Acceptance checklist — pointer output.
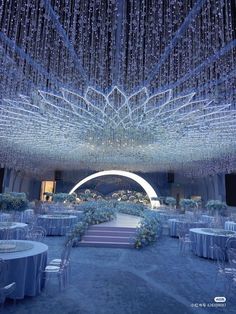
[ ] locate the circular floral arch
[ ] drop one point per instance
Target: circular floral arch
(144, 184)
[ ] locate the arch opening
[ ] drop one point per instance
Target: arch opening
(144, 184)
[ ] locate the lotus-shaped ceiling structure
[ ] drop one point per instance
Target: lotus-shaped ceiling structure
(135, 132)
(113, 84)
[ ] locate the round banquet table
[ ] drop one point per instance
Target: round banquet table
(207, 218)
(23, 266)
(230, 225)
(5, 217)
(9, 230)
(175, 224)
(204, 239)
(164, 217)
(78, 213)
(57, 224)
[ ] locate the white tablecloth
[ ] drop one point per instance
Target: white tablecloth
(24, 267)
(230, 225)
(203, 240)
(57, 225)
(5, 217)
(175, 224)
(78, 213)
(207, 218)
(164, 217)
(10, 231)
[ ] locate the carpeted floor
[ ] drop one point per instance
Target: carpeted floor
(154, 280)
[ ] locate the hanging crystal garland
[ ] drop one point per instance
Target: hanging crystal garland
(65, 47)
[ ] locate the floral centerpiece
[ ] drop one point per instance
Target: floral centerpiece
(216, 207)
(13, 201)
(64, 197)
(188, 204)
(170, 201)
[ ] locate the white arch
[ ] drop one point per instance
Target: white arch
(144, 184)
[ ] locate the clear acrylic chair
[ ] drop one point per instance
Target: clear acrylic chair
(36, 233)
(19, 233)
(231, 253)
(33, 221)
(184, 239)
(6, 289)
(225, 271)
(231, 243)
(65, 259)
(59, 268)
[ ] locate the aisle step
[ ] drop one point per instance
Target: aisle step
(107, 236)
(110, 233)
(119, 239)
(106, 244)
(96, 227)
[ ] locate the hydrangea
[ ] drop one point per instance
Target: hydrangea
(170, 201)
(186, 204)
(13, 201)
(64, 197)
(216, 206)
(147, 232)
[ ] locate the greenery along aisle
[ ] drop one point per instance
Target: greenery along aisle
(149, 227)
(148, 230)
(129, 208)
(96, 212)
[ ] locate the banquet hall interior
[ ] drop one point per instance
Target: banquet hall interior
(117, 156)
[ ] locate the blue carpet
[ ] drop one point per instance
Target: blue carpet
(127, 281)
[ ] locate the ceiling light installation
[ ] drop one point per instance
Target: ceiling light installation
(137, 131)
(135, 85)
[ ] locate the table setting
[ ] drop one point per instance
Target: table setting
(23, 262)
(176, 224)
(230, 225)
(204, 239)
(57, 224)
(12, 230)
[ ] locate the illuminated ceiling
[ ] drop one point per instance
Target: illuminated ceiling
(133, 85)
